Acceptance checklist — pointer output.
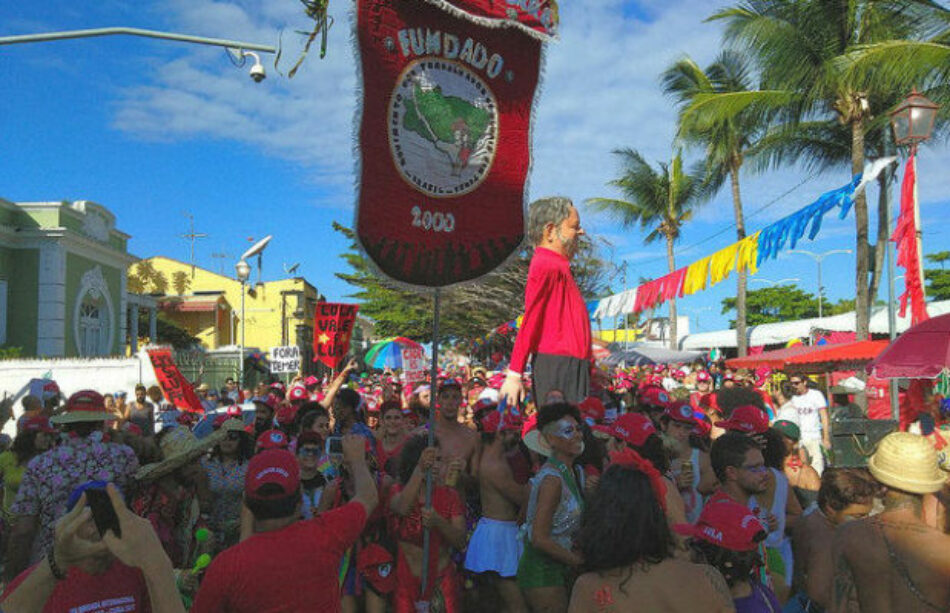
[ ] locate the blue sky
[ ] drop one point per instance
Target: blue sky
(156, 130)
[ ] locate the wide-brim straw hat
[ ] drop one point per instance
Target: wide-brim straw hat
(907, 462)
(179, 447)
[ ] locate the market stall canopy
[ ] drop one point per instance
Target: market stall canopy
(644, 354)
(829, 358)
(923, 352)
(782, 332)
(773, 359)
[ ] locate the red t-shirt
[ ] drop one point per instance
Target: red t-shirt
(121, 589)
(293, 569)
(556, 321)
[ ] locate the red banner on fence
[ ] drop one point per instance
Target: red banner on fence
(178, 390)
(332, 329)
(445, 134)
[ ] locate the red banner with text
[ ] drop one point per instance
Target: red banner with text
(178, 390)
(332, 329)
(448, 92)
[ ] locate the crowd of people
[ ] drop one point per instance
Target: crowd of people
(685, 487)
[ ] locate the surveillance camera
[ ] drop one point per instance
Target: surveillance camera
(257, 72)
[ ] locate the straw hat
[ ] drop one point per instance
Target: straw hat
(907, 462)
(179, 447)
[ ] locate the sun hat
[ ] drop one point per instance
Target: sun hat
(907, 462)
(788, 428)
(179, 447)
(84, 406)
(532, 437)
(633, 428)
(203, 387)
(747, 419)
(726, 524)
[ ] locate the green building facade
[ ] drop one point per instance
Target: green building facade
(62, 279)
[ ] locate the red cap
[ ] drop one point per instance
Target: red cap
(703, 376)
(86, 401)
(310, 381)
(234, 411)
(728, 377)
(682, 412)
(272, 439)
(592, 408)
(286, 414)
(278, 385)
(277, 466)
(747, 419)
(634, 428)
(298, 393)
(679, 374)
(654, 396)
(493, 421)
(376, 565)
(726, 524)
(37, 424)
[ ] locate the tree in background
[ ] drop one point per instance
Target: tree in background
(785, 303)
(724, 139)
(938, 280)
(143, 278)
(467, 311)
(660, 200)
(181, 282)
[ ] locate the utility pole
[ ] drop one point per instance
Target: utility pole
(192, 236)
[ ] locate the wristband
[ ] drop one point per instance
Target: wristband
(511, 373)
(54, 568)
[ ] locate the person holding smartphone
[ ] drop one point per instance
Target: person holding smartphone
(101, 552)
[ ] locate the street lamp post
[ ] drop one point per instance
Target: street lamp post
(775, 283)
(912, 122)
(818, 257)
(243, 270)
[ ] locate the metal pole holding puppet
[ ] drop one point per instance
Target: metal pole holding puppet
(423, 605)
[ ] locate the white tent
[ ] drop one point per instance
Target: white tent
(782, 332)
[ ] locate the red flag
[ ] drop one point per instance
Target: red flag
(448, 91)
(332, 329)
(177, 389)
(908, 247)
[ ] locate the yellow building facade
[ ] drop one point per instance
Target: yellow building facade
(277, 313)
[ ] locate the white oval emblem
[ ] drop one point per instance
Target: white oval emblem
(443, 127)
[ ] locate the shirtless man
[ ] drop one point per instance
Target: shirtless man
(459, 444)
(494, 549)
(894, 561)
(845, 495)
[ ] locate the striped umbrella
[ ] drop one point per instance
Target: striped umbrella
(388, 352)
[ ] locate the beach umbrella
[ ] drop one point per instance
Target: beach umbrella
(388, 352)
(923, 352)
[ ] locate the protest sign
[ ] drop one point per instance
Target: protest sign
(448, 90)
(413, 364)
(177, 389)
(332, 329)
(284, 359)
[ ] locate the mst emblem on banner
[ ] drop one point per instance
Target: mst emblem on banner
(448, 90)
(444, 124)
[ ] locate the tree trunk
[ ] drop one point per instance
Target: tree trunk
(883, 234)
(862, 251)
(742, 339)
(672, 262)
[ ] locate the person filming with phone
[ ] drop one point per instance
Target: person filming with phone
(101, 553)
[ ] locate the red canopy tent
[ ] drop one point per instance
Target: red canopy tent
(827, 358)
(773, 359)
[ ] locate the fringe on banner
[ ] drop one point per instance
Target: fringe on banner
(490, 22)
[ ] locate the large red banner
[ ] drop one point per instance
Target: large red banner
(448, 90)
(177, 389)
(332, 329)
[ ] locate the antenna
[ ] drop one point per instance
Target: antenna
(290, 270)
(221, 257)
(192, 236)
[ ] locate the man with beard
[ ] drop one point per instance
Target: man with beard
(556, 325)
(740, 467)
(494, 549)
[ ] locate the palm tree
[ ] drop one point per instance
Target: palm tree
(725, 140)
(660, 200)
(798, 47)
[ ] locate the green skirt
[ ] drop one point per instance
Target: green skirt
(537, 569)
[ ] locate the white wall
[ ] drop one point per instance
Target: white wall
(105, 375)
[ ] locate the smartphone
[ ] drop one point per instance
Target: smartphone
(103, 514)
(334, 447)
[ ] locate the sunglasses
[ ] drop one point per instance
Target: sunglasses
(313, 452)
